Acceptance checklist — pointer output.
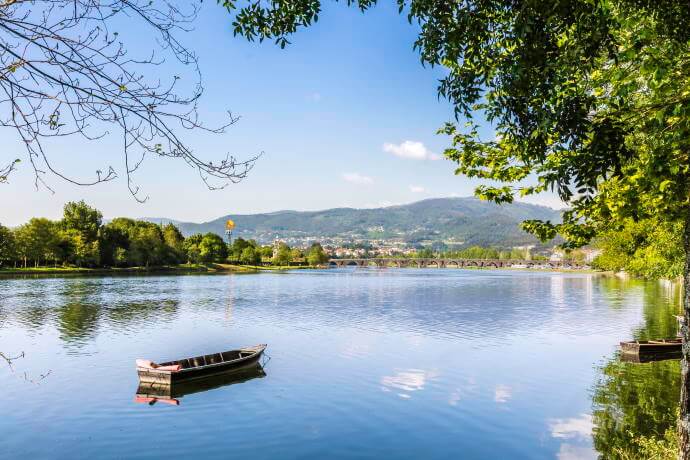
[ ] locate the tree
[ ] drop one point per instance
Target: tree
(174, 240)
(588, 99)
(295, 254)
(113, 244)
(645, 248)
(266, 252)
(316, 255)
(146, 245)
(283, 255)
(7, 246)
(212, 248)
(191, 248)
(136, 243)
(38, 241)
(425, 253)
(250, 256)
(81, 251)
(238, 246)
(83, 219)
(80, 224)
(65, 71)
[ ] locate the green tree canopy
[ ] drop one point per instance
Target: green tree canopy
(38, 241)
(650, 248)
(82, 218)
(250, 256)
(316, 255)
(212, 248)
(283, 255)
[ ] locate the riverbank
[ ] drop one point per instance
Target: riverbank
(167, 269)
(226, 268)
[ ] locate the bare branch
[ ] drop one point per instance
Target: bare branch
(64, 71)
(11, 359)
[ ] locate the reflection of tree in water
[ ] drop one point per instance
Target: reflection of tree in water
(662, 303)
(632, 400)
(78, 322)
(34, 316)
(3, 317)
(130, 314)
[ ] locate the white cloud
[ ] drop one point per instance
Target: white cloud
(357, 178)
(410, 149)
(568, 428)
(417, 189)
(502, 393)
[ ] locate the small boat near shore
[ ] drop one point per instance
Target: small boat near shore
(197, 367)
(652, 346)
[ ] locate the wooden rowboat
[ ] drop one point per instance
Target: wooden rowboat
(652, 346)
(154, 392)
(198, 367)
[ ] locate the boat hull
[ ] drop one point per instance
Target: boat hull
(652, 346)
(200, 367)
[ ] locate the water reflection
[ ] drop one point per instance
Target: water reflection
(151, 393)
(569, 428)
(503, 393)
(633, 399)
(78, 322)
(407, 381)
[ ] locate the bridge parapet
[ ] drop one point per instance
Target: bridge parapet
(452, 263)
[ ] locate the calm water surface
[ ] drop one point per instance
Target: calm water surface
(363, 364)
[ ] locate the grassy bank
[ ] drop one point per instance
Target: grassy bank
(184, 268)
(171, 269)
(231, 267)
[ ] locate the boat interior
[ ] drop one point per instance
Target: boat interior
(214, 358)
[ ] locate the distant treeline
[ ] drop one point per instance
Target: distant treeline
(81, 239)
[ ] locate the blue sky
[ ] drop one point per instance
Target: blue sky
(346, 116)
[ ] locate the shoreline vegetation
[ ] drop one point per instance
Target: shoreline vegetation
(184, 269)
(82, 242)
(166, 269)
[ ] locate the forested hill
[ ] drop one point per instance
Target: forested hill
(467, 220)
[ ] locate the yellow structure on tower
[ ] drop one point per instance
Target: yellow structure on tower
(229, 227)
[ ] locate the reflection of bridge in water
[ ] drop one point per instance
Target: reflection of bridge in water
(455, 263)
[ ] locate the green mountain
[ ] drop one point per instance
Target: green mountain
(466, 221)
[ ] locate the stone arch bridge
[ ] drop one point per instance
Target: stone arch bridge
(453, 263)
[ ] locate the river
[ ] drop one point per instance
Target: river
(361, 363)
